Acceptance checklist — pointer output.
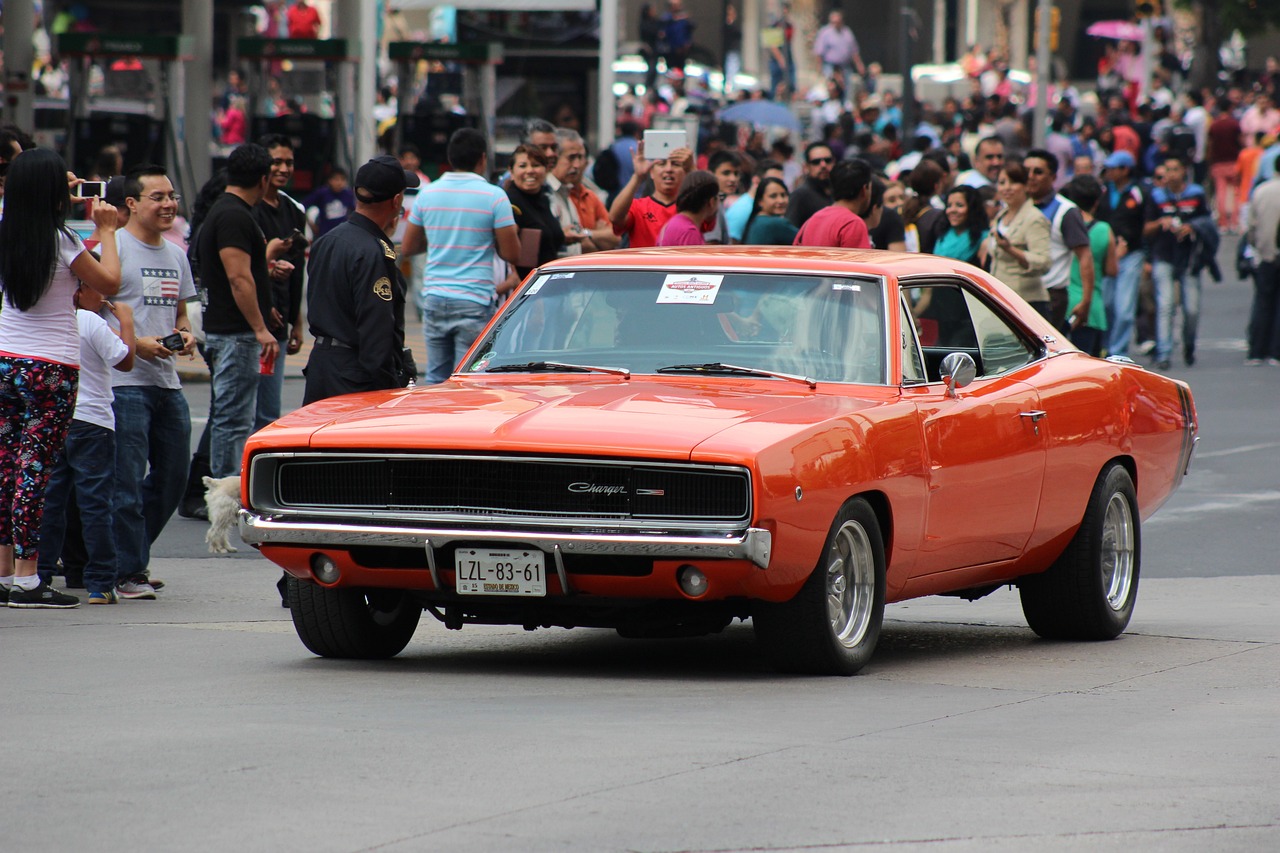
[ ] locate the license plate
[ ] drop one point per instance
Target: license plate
(482, 571)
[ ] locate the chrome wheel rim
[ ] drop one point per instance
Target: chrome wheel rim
(1118, 551)
(851, 584)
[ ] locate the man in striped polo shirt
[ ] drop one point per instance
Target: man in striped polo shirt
(461, 221)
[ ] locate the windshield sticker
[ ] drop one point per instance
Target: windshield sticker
(537, 285)
(856, 288)
(689, 289)
(562, 275)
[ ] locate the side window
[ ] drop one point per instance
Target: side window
(1002, 348)
(912, 362)
(950, 318)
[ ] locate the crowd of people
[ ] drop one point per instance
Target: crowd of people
(1106, 229)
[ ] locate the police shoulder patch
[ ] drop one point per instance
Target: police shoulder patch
(382, 289)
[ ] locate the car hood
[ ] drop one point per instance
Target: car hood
(658, 418)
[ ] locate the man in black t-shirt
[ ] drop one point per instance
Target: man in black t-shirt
(233, 255)
(814, 192)
(279, 215)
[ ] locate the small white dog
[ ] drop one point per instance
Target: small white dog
(222, 498)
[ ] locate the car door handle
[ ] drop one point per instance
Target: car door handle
(1036, 415)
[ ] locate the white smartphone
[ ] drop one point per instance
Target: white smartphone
(90, 189)
(658, 144)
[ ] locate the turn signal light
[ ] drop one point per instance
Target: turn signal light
(692, 581)
(324, 568)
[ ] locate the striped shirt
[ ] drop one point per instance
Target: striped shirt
(459, 214)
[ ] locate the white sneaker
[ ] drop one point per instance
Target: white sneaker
(134, 589)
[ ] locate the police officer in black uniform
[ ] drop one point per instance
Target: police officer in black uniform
(356, 294)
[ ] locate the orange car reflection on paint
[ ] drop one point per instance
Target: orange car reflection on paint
(661, 441)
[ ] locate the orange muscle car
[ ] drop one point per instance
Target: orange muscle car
(662, 440)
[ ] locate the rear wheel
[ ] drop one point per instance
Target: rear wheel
(832, 624)
(352, 623)
(1089, 592)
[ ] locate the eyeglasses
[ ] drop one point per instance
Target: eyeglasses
(161, 198)
(280, 161)
(818, 161)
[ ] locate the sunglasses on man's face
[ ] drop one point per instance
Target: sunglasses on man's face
(818, 161)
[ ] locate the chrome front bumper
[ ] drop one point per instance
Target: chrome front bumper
(754, 544)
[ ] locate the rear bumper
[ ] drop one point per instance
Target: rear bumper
(753, 544)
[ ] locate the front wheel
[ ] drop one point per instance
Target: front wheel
(832, 624)
(1089, 592)
(352, 623)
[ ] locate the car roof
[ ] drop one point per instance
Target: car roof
(762, 258)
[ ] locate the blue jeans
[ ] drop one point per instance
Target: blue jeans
(270, 392)
(1122, 303)
(1167, 301)
(87, 465)
(234, 359)
(153, 431)
(451, 327)
(1264, 316)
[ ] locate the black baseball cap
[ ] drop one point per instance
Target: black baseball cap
(115, 192)
(381, 178)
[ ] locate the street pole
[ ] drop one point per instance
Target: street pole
(908, 15)
(19, 56)
(1044, 71)
(605, 104)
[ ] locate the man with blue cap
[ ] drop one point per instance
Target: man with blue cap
(1122, 208)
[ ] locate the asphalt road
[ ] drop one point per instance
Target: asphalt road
(199, 721)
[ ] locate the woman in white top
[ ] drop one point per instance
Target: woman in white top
(41, 265)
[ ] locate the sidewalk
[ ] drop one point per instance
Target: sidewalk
(195, 370)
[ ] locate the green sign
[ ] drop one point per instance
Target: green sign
(473, 52)
(260, 48)
(108, 44)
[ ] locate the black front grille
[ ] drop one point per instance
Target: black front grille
(520, 487)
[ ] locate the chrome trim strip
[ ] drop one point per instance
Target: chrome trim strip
(431, 563)
(754, 544)
(560, 572)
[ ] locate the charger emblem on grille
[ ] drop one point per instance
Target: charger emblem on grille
(593, 489)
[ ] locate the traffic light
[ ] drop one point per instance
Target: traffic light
(1055, 18)
(1148, 9)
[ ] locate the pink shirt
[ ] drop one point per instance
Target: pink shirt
(680, 231)
(834, 226)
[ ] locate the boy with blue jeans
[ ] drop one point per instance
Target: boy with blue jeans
(88, 461)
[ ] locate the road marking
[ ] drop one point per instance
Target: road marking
(272, 627)
(1221, 503)
(1248, 448)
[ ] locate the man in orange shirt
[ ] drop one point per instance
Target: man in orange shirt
(581, 212)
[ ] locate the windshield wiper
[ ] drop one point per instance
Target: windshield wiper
(719, 367)
(557, 367)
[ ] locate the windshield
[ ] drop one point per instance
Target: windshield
(826, 328)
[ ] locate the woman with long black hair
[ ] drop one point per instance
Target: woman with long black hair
(768, 224)
(41, 265)
(967, 225)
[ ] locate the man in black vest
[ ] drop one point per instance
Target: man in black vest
(356, 294)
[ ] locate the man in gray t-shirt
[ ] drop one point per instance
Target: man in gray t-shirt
(153, 422)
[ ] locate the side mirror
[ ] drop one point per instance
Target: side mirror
(958, 370)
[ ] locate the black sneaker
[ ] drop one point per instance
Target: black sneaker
(194, 508)
(42, 597)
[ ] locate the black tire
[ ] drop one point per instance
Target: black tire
(1089, 592)
(824, 630)
(352, 623)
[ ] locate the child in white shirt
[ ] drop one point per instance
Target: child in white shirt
(88, 461)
